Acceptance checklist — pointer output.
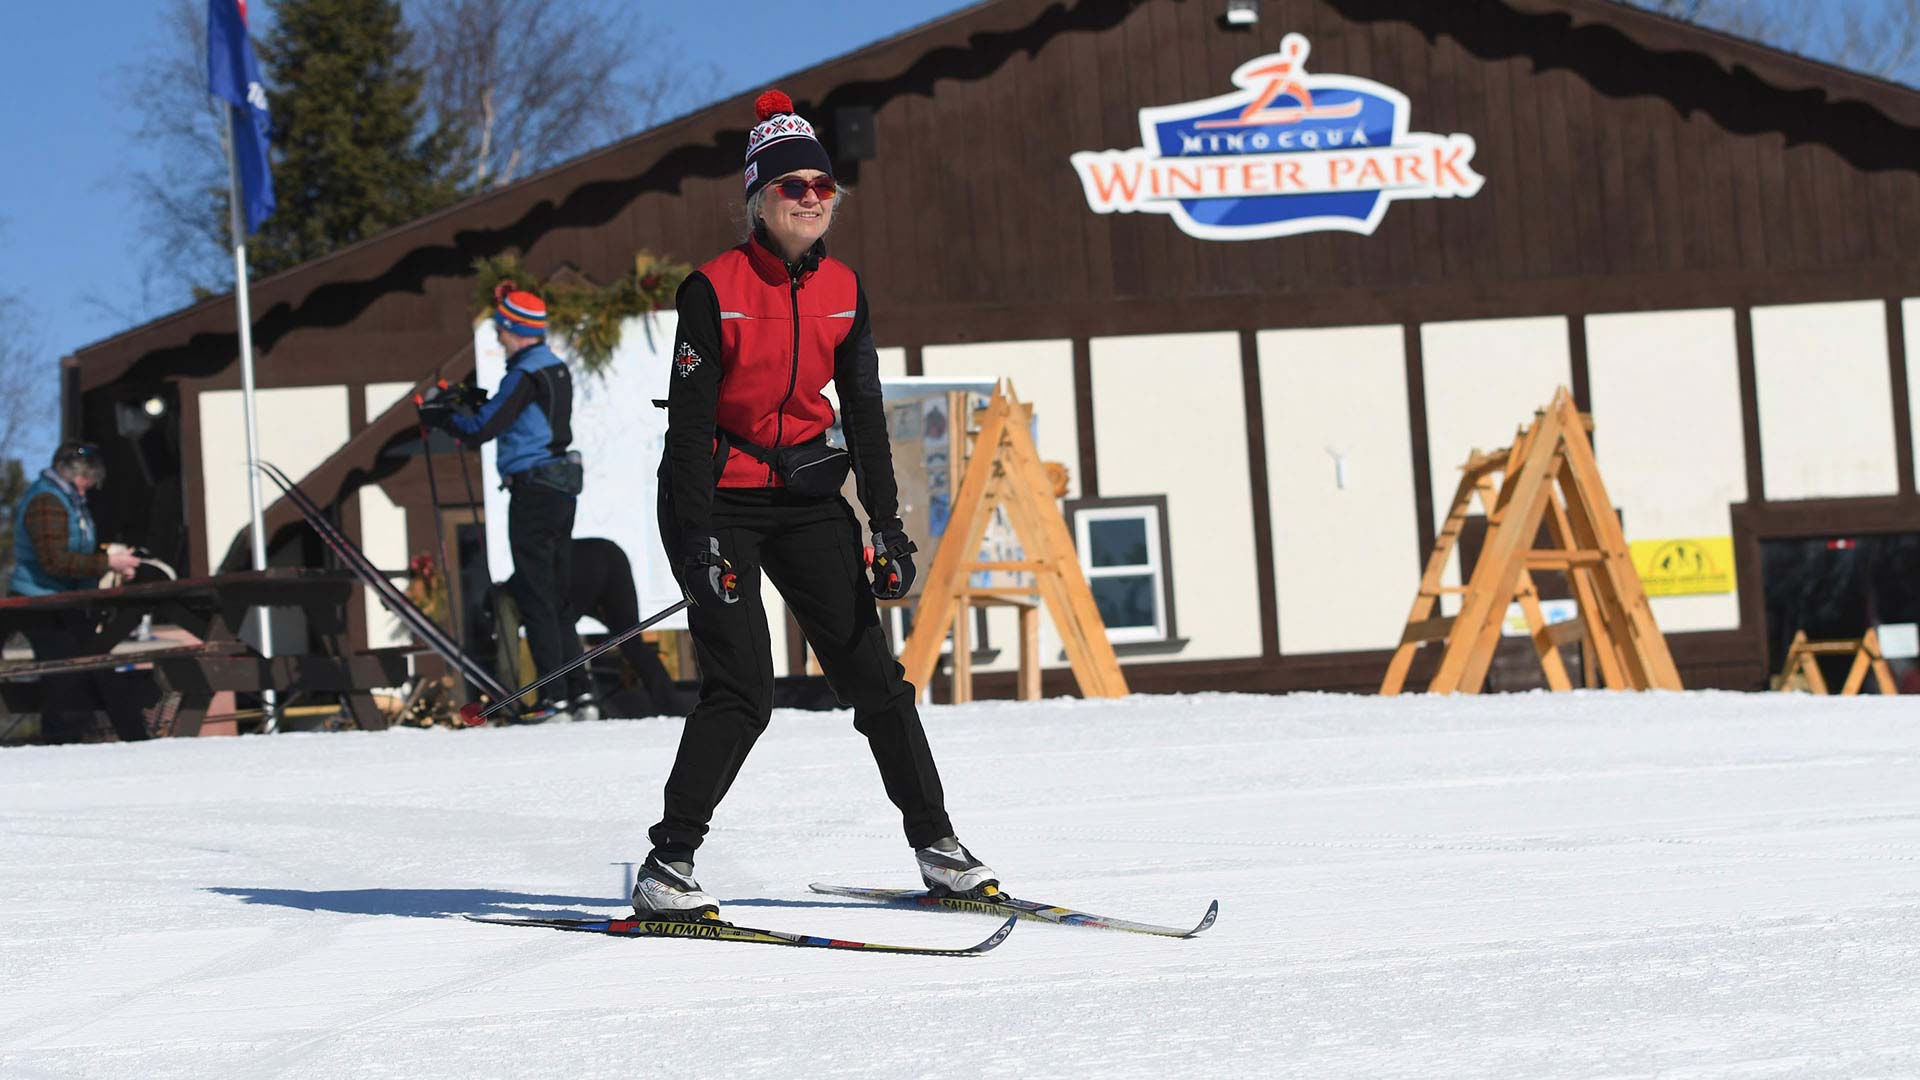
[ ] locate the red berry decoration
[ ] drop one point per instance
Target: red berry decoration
(771, 104)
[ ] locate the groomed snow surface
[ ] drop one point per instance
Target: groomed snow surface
(1693, 885)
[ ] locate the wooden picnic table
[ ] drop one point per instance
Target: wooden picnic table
(213, 610)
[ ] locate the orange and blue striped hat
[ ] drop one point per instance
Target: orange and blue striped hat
(520, 312)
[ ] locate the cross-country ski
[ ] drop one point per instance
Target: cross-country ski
(714, 930)
(1002, 904)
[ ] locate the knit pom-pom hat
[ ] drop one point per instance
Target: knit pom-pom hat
(519, 312)
(780, 143)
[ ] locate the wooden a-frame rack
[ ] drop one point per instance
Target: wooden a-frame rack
(1803, 662)
(1003, 472)
(1551, 477)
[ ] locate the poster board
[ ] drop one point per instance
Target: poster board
(1005, 480)
(923, 439)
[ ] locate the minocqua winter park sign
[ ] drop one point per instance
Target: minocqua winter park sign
(1288, 153)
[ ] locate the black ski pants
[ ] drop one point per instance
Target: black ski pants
(810, 549)
(66, 713)
(540, 533)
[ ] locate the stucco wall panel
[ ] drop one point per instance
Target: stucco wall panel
(1340, 485)
(1667, 432)
(1169, 419)
(1826, 400)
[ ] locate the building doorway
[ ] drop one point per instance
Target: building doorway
(1835, 587)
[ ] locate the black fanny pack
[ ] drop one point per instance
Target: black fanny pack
(566, 475)
(815, 467)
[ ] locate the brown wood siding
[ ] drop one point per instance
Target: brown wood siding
(971, 202)
(1257, 494)
(1899, 371)
(1631, 164)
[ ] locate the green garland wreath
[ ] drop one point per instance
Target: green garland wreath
(586, 316)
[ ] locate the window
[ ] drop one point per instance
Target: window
(1123, 550)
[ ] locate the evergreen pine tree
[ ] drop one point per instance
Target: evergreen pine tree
(350, 156)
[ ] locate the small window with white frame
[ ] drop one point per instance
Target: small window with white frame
(1123, 551)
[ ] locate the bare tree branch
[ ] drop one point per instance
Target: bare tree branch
(1883, 41)
(529, 83)
(130, 305)
(29, 385)
(1874, 37)
(524, 84)
(183, 196)
(1755, 20)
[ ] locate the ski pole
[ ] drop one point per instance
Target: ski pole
(473, 715)
(466, 476)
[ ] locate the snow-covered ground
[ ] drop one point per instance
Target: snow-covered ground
(1589, 885)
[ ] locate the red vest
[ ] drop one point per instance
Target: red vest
(777, 339)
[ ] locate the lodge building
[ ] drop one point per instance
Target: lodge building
(1270, 357)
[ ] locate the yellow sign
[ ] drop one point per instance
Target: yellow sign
(1685, 567)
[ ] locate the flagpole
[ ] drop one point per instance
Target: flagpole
(271, 721)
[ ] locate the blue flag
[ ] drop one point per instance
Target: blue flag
(234, 77)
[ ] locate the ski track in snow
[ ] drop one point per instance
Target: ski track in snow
(1672, 885)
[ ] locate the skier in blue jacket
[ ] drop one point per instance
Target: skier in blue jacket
(530, 416)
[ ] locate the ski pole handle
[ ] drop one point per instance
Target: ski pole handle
(473, 715)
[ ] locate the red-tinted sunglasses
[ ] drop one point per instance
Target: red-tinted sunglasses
(796, 189)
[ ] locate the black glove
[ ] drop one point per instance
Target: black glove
(436, 413)
(458, 399)
(892, 562)
(706, 575)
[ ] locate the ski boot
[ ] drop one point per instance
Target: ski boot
(949, 869)
(583, 708)
(668, 892)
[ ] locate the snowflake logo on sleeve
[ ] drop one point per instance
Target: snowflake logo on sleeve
(685, 359)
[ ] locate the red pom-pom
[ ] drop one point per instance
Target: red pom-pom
(771, 104)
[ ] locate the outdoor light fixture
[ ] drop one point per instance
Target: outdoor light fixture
(153, 406)
(1242, 12)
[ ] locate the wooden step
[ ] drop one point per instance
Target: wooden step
(1427, 630)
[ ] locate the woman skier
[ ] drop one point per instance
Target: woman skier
(749, 484)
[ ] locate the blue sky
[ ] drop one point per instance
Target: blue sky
(70, 232)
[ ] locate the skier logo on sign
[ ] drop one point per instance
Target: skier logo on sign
(1290, 152)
